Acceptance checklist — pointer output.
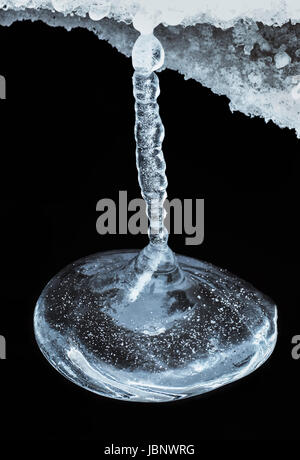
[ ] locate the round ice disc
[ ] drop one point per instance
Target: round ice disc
(173, 341)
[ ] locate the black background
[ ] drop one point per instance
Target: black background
(67, 142)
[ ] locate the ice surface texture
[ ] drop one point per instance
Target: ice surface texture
(172, 12)
(196, 334)
(246, 50)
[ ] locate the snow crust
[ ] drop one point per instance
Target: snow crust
(172, 12)
(246, 50)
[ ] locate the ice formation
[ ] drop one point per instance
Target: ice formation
(148, 56)
(150, 326)
(248, 50)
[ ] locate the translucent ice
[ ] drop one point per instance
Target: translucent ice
(148, 56)
(202, 333)
(151, 326)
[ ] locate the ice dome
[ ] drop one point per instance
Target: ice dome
(248, 50)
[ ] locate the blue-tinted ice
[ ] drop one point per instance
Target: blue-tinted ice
(150, 326)
(174, 341)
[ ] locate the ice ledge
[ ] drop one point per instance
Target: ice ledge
(257, 66)
(219, 13)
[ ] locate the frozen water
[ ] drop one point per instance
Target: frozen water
(246, 50)
(148, 56)
(203, 331)
(171, 12)
(149, 326)
(282, 59)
